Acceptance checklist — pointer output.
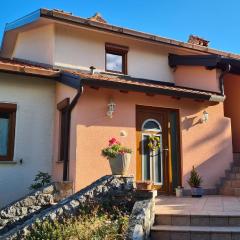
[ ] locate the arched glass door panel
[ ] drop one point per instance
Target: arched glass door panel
(152, 161)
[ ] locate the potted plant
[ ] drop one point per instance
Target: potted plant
(119, 157)
(144, 185)
(179, 191)
(195, 182)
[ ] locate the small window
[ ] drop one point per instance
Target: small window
(151, 125)
(7, 130)
(63, 108)
(116, 58)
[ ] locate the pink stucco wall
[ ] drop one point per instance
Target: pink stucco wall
(208, 146)
(197, 77)
(232, 86)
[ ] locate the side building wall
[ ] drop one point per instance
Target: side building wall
(34, 132)
(231, 107)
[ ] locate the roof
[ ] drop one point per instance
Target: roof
(13, 66)
(75, 79)
(209, 61)
(61, 16)
(127, 83)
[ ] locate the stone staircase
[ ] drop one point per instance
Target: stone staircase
(196, 227)
(230, 184)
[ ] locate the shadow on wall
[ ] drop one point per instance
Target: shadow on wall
(221, 128)
(189, 122)
(219, 154)
(211, 170)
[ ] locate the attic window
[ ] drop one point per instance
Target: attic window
(116, 58)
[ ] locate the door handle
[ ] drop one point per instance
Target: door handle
(165, 149)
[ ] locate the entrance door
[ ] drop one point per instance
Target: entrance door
(156, 165)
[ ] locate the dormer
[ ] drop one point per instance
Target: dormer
(62, 40)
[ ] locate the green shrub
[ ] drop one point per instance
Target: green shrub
(41, 180)
(95, 222)
(195, 180)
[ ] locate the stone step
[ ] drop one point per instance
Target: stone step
(197, 220)
(168, 232)
(235, 183)
(236, 164)
(229, 191)
(226, 191)
(231, 175)
(235, 169)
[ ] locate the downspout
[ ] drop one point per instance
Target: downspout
(67, 133)
(221, 78)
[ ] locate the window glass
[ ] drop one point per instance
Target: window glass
(4, 133)
(114, 62)
(145, 159)
(151, 125)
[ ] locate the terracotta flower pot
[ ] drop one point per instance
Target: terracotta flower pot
(120, 164)
(145, 185)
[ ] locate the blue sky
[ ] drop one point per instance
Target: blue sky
(215, 20)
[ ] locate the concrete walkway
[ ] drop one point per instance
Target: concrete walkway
(207, 205)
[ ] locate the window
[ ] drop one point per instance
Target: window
(116, 58)
(7, 130)
(151, 125)
(63, 108)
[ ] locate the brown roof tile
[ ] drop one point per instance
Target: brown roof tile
(143, 85)
(8, 65)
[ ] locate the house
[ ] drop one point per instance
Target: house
(186, 93)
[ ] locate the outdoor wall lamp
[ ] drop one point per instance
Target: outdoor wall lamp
(205, 117)
(111, 108)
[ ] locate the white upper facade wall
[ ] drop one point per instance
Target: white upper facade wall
(36, 44)
(82, 48)
(72, 47)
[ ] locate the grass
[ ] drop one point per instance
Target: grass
(93, 221)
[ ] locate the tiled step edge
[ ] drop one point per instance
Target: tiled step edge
(195, 229)
(197, 220)
(193, 233)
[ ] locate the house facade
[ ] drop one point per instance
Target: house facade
(184, 93)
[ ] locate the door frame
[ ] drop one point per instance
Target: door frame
(140, 108)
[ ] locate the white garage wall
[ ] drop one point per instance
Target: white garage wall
(35, 99)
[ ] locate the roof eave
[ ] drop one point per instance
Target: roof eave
(208, 61)
(30, 18)
(151, 90)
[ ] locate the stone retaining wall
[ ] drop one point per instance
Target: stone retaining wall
(25, 207)
(142, 218)
(19, 211)
(106, 187)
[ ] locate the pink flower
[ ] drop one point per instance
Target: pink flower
(113, 141)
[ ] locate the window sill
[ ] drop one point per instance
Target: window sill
(115, 73)
(8, 162)
(59, 162)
